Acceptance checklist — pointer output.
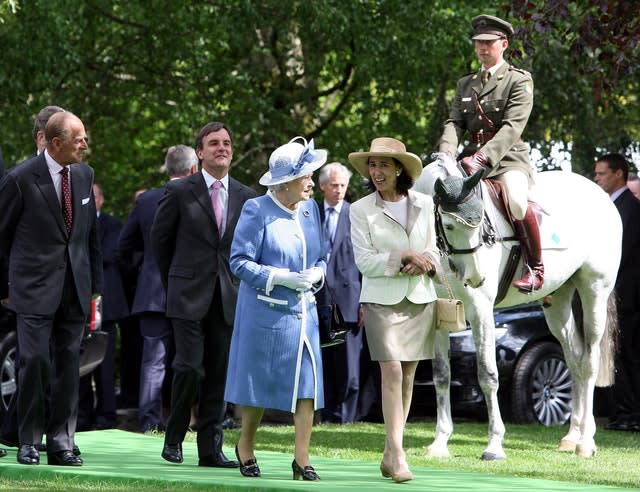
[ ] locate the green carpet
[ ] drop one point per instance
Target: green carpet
(125, 456)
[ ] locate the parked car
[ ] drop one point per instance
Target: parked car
(535, 384)
(94, 344)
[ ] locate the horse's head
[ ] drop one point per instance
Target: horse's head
(460, 214)
(442, 166)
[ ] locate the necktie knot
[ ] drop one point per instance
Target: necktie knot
(486, 75)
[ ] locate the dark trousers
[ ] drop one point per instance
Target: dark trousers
(199, 371)
(341, 367)
(99, 410)
(129, 362)
(157, 348)
(50, 355)
(626, 390)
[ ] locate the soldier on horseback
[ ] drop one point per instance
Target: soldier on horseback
(493, 105)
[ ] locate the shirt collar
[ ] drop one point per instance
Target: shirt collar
(209, 180)
(614, 196)
(54, 167)
(337, 207)
(495, 68)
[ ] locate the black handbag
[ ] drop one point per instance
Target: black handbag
(333, 329)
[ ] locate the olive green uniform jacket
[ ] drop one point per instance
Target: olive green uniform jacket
(506, 99)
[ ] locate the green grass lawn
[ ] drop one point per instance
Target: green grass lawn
(531, 452)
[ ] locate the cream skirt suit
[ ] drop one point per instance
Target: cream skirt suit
(399, 308)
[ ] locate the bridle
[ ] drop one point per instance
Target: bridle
(487, 235)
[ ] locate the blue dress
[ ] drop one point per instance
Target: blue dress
(275, 356)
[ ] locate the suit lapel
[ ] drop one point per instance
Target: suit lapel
(45, 185)
(341, 226)
(234, 204)
(78, 189)
(412, 213)
(199, 189)
(494, 80)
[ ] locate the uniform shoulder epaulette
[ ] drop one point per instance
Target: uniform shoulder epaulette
(523, 72)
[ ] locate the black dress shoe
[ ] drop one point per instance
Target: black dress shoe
(249, 468)
(64, 458)
(306, 473)
(28, 455)
(172, 453)
(218, 460)
(619, 425)
(3, 453)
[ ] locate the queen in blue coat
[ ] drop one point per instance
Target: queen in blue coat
(275, 359)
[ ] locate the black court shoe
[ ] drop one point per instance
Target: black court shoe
(249, 468)
(306, 473)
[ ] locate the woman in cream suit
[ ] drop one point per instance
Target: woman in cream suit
(394, 243)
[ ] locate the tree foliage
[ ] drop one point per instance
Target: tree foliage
(147, 75)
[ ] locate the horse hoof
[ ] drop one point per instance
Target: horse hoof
(567, 446)
(487, 456)
(586, 451)
(437, 453)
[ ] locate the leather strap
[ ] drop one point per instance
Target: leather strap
(483, 115)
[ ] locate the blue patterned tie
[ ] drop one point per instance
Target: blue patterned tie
(329, 230)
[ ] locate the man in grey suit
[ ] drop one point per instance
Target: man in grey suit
(341, 363)
(48, 227)
(191, 239)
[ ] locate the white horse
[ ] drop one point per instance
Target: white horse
(581, 240)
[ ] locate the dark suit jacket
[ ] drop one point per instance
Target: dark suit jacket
(33, 233)
(114, 301)
(628, 281)
(4, 264)
(343, 276)
(190, 256)
(135, 238)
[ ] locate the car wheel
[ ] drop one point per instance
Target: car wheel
(541, 386)
(7, 369)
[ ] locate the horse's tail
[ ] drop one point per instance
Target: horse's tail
(609, 345)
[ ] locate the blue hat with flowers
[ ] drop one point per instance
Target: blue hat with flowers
(292, 161)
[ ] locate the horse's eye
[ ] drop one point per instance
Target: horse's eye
(449, 227)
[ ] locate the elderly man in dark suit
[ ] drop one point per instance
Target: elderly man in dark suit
(48, 226)
(191, 238)
(150, 301)
(611, 173)
(341, 363)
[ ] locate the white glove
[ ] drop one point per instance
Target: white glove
(291, 280)
(313, 275)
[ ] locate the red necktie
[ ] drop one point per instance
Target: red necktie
(67, 208)
(217, 206)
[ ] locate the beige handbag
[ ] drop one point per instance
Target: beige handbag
(450, 311)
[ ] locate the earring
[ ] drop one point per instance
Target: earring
(398, 173)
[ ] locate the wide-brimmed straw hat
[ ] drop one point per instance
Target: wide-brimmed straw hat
(387, 147)
(292, 161)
